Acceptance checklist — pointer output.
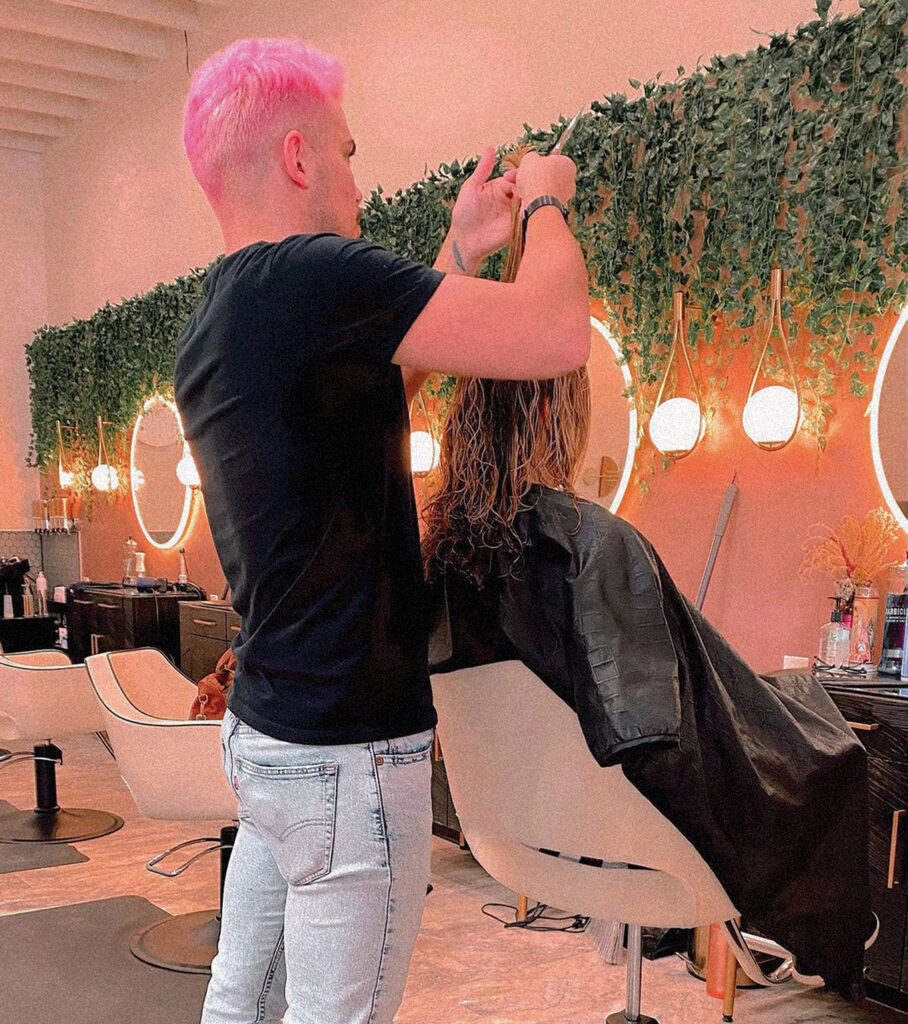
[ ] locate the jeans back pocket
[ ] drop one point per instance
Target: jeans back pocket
(293, 808)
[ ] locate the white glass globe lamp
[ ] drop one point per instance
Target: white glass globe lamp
(425, 452)
(676, 426)
(104, 477)
(187, 471)
(771, 415)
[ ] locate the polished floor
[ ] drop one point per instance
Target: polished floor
(467, 969)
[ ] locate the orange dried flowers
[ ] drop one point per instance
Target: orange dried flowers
(852, 554)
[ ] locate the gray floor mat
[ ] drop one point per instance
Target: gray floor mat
(73, 964)
(26, 856)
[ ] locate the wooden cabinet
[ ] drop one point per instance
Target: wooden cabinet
(207, 629)
(881, 723)
(118, 619)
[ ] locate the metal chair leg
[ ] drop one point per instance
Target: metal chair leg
(731, 981)
(522, 904)
(632, 1015)
(186, 943)
(48, 822)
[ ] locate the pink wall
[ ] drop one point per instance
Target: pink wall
(23, 307)
(123, 213)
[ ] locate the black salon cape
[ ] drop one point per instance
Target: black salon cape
(761, 773)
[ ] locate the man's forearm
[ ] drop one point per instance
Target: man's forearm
(451, 260)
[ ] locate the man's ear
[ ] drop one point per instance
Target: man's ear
(295, 157)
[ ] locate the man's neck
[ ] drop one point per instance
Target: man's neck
(262, 228)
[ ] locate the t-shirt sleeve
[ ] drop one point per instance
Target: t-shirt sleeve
(353, 299)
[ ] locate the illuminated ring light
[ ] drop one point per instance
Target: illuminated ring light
(875, 420)
(631, 417)
(189, 491)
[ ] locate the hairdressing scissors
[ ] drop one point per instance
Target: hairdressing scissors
(567, 133)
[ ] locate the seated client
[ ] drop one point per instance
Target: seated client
(761, 773)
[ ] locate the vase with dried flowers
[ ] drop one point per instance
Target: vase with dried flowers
(853, 555)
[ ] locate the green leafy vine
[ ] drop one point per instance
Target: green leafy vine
(792, 155)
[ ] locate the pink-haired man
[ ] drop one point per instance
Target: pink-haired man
(292, 379)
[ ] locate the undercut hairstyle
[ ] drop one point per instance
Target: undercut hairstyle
(500, 438)
(237, 99)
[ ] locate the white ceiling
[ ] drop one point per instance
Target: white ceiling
(57, 57)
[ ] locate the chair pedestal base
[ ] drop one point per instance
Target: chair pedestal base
(63, 826)
(185, 943)
(620, 1018)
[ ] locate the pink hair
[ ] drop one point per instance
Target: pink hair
(237, 94)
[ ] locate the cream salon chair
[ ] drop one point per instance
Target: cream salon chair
(172, 767)
(43, 694)
(523, 780)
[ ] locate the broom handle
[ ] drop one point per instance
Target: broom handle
(731, 492)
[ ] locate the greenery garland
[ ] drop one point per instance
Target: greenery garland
(791, 155)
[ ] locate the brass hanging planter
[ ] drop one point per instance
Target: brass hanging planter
(676, 424)
(772, 413)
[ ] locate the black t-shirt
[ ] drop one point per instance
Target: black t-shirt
(297, 420)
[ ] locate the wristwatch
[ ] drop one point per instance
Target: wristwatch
(536, 204)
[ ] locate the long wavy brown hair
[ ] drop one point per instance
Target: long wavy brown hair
(500, 438)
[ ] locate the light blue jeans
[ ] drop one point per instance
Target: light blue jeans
(327, 880)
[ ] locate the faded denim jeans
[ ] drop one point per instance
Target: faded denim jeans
(327, 880)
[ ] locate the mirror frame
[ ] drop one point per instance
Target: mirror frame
(628, 467)
(189, 492)
(874, 411)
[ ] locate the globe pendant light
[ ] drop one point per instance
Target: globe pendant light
(772, 413)
(103, 477)
(187, 471)
(676, 425)
(65, 476)
(425, 450)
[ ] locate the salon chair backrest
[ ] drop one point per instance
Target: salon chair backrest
(43, 696)
(172, 766)
(522, 779)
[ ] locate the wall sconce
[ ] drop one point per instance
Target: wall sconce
(425, 451)
(676, 425)
(65, 476)
(187, 471)
(772, 414)
(104, 477)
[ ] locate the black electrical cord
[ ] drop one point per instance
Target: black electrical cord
(537, 913)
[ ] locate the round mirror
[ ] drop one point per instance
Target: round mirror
(161, 501)
(613, 425)
(889, 421)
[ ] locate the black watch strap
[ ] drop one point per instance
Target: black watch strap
(536, 204)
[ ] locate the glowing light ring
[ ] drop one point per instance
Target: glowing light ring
(631, 418)
(189, 497)
(874, 413)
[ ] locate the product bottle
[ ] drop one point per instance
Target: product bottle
(835, 638)
(863, 626)
(892, 641)
(41, 590)
(140, 564)
(129, 562)
(28, 601)
(7, 606)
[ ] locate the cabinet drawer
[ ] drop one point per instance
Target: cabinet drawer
(234, 622)
(203, 656)
(880, 724)
(208, 622)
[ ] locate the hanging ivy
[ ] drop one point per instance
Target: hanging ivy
(792, 155)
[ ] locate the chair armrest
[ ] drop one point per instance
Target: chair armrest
(38, 659)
